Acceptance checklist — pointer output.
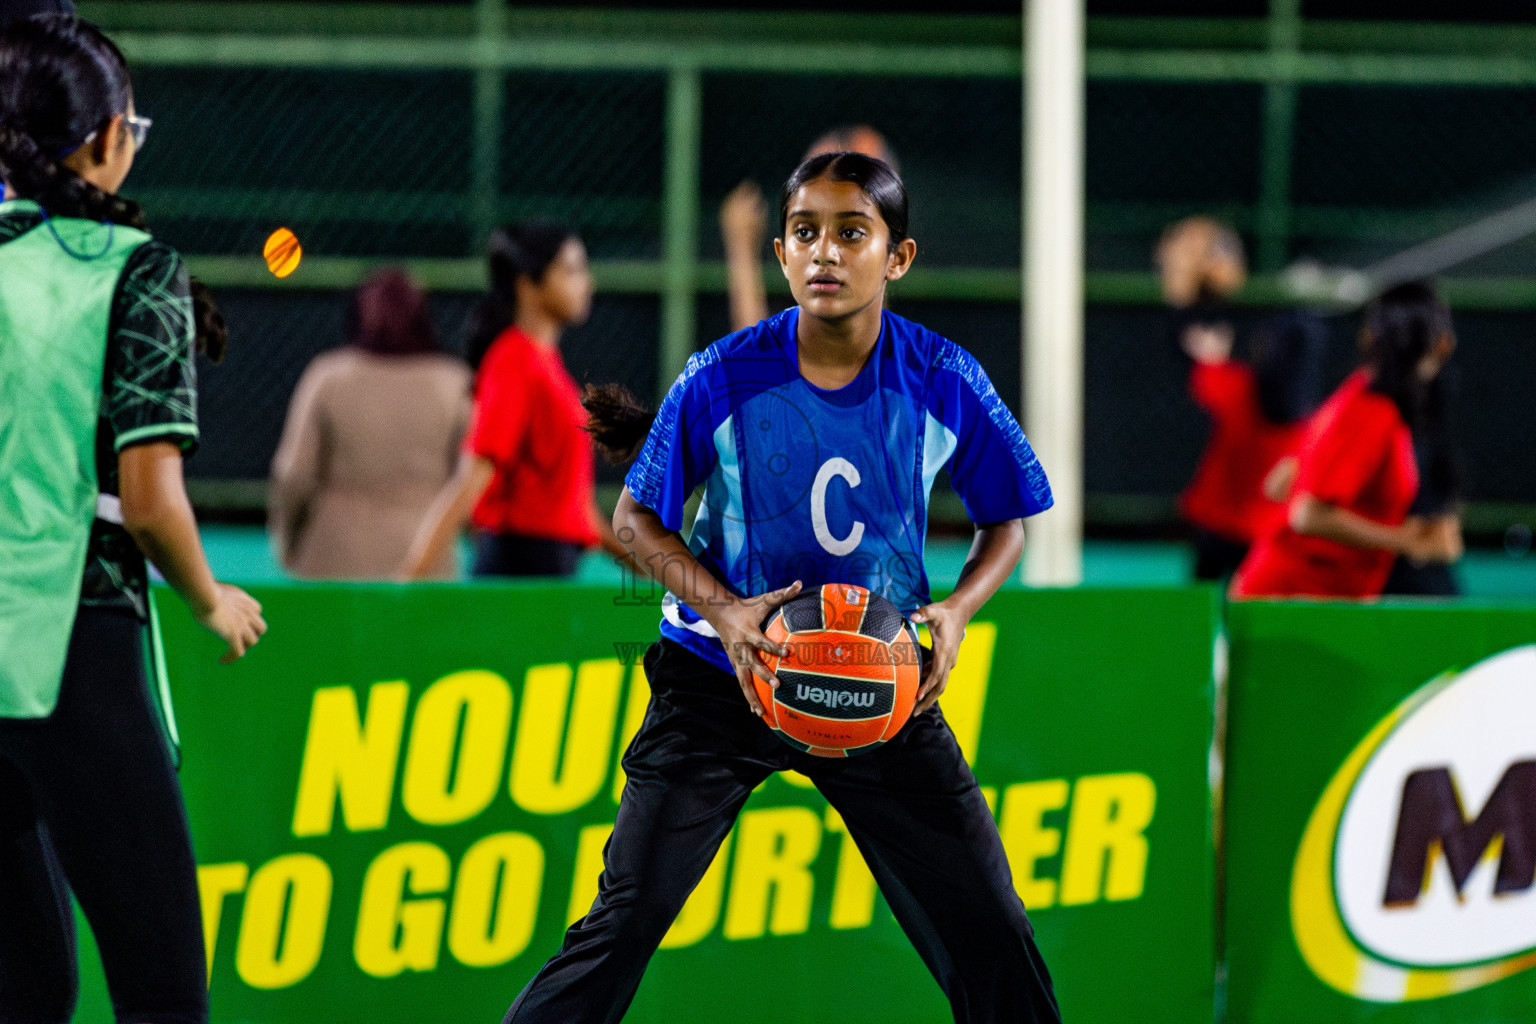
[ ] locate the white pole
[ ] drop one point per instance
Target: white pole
(1053, 281)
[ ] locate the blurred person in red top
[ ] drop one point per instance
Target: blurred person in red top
(1356, 473)
(1255, 409)
(525, 474)
(744, 222)
(1258, 411)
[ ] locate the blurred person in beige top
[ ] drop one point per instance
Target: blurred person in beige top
(372, 436)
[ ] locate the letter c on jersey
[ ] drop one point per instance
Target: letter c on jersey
(829, 469)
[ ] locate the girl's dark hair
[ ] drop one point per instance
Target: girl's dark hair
(518, 250)
(1402, 325)
(389, 316)
(16, 10)
(1288, 354)
(61, 79)
(619, 422)
(857, 138)
(873, 177)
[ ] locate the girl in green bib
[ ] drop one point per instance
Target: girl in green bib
(97, 409)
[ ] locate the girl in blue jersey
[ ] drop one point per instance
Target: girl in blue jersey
(816, 435)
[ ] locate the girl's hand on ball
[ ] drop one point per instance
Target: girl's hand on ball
(740, 625)
(947, 627)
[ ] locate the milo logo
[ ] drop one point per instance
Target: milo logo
(1416, 876)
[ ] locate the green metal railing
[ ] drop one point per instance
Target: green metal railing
(1281, 53)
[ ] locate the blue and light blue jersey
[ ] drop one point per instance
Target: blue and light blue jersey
(827, 486)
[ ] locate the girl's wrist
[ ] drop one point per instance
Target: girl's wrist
(202, 603)
(958, 608)
(711, 606)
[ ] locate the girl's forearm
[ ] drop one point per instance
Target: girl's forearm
(448, 514)
(993, 556)
(609, 542)
(172, 543)
(287, 508)
(661, 555)
(1315, 518)
(158, 516)
(744, 277)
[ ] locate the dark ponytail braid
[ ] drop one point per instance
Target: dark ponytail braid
(56, 188)
(61, 79)
(208, 322)
(1402, 325)
(617, 421)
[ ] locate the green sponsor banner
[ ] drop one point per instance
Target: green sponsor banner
(400, 798)
(1381, 814)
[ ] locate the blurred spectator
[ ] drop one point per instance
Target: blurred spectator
(1257, 412)
(524, 477)
(744, 222)
(1200, 263)
(371, 437)
(1356, 474)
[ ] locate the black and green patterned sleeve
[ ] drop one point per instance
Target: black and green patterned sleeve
(151, 386)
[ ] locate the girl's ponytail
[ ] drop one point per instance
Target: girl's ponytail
(210, 332)
(1402, 325)
(56, 188)
(617, 421)
(489, 317)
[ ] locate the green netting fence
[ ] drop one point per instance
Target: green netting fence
(401, 134)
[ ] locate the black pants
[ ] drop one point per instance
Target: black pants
(1433, 580)
(89, 802)
(912, 806)
(511, 554)
(1217, 556)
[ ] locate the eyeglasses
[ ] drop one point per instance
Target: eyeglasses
(138, 130)
(138, 127)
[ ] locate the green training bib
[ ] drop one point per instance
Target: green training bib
(57, 282)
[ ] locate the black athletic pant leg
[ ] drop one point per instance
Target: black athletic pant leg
(697, 757)
(37, 920)
(1430, 580)
(917, 815)
(511, 554)
(1216, 556)
(100, 780)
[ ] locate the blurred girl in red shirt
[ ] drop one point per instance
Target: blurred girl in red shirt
(525, 474)
(1356, 474)
(1258, 412)
(1256, 408)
